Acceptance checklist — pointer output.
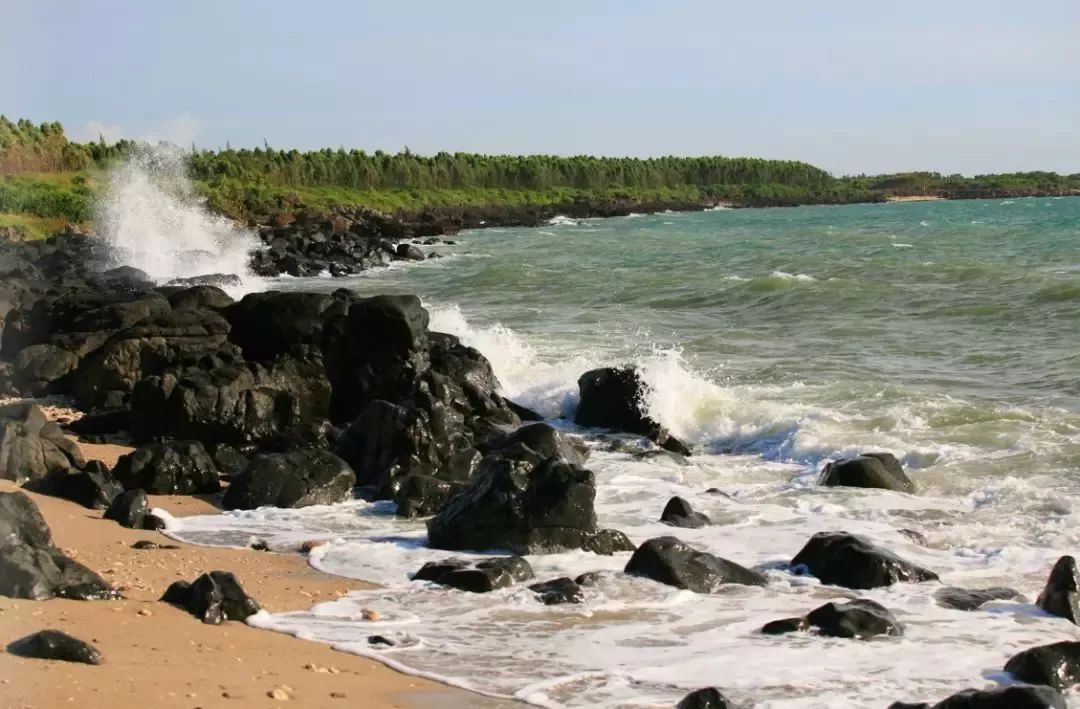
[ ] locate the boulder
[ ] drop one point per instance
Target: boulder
(1010, 697)
(408, 252)
(213, 598)
(94, 486)
(520, 506)
(1061, 596)
(607, 542)
(851, 561)
(970, 599)
(132, 510)
(1056, 664)
(482, 577)
(707, 698)
(55, 645)
(269, 324)
(423, 495)
(874, 470)
(229, 461)
(30, 566)
(171, 468)
(37, 366)
(672, 562)
(541, 440)
(31, 447)
(558, 591)
(612, 397)
(200, 296)
(679, 513)
(296, 479)
(860, 619)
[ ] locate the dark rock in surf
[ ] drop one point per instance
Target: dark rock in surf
(672, 562)
(707, 698)
(1056, 665)
(423, 495)
(296, 479)
(131, 509)
(971, 599)
(558, 591)
(858, 619)
(30, 566)
(679, 513)
(482, 577)
(842, 559)
(612, 398)
(32, 447)
(607, 542)
(1011, 697)
(213, 598)
(198, 297)
(539, 441)
(55, 645)
(524, 413)
(872, 470)
(408, 252)
(1061, 596)
(588, 579)
(171, 468)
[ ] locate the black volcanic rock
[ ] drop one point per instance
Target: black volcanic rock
(672, 562)
(874, 470)
(970, 599)
(679, 513)
(31, 447)
(860, 618)
(707, 698)
(171, 468)
(1061, 596)
(1056, 664)
(612, 397)
(296, 479)
(558, 591)
(213, 598)
(842, 559)
(1010, 697)
(481, 577)
(55, 645)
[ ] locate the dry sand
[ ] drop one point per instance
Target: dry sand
(155, 653)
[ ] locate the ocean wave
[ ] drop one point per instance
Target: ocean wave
(562, 220)
(785, 276)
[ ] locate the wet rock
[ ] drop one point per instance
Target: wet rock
(31, 447)
(679, 513)
(611, 397)
(523, 412)
(229, 461)
(482, 577)
(146, 545)
(269, 324)
(1012, 697)
(30, 566)
(519, 506)
(588, 579)
(861, 618)
(55, 645)
(131, 509)
(376, 640)
(1056, 665)
(409, 252)
(171, 468)
(297, 479)
(970, 599)
(1061, 596)
(851, 561)
(785, 625)
(707, 698)
(541, 440)
(915, 536)
(558, 591)
(213, 598)
(670, 561)
(873, 470)
(607, 542)
(423, 495)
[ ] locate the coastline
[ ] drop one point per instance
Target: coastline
(155, 651)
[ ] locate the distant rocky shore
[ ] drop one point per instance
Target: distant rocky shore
(291, 399)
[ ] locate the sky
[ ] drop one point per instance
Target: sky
(969, 86)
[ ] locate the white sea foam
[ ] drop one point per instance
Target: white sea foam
(561, 220)
(155, 221)
(901, 245)
(784, 275)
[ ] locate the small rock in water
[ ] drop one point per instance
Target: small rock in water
(679, 513)
(872, 470)
(1056, 665)
(707, 698)
(55, 645)
(860, 619)
(1013, 697)
(843, 559)
(258, 544)
(589, 578)
(558, 591)
(671, 561)
(380, 640)
(970, 599)
(310, 544)
(487, 575)
(1061, 597)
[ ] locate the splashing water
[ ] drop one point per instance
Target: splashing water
(154, 220)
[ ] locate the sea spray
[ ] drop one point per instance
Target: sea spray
(154, 220)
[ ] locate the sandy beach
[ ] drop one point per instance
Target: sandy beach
(156, 652)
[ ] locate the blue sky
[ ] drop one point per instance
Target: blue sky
(954, 85)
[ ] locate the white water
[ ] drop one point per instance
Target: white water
(635, 643)
(155, 221)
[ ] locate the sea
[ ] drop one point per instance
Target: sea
(773, 341)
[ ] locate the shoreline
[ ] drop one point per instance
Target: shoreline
(155, 651)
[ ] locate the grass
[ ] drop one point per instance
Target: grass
(29, 227)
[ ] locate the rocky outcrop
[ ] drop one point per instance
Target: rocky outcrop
(171, 468)
(859, 619)
(296, 479)
(213, 598)
(1012, 697)
(842, 559)
(707, 698)
(30, 566)
(1056, 665)
(1061, 596)
(55, 645)
(678, 513)
(874, 470)
(970, 599)
(672, 562)
(612, 398)
(31, 447)
(480, 577)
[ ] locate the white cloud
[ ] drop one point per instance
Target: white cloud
(97, 129)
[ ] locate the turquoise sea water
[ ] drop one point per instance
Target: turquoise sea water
(774, 340)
